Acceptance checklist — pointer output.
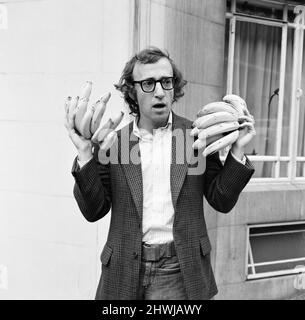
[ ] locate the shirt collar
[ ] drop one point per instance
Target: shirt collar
(140, 133)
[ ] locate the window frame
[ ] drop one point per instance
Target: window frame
(252, 264)
(299, 26)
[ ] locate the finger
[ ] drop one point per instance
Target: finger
(75, 137)
(244, 117)
(248, 125)
(246, 111)
(249, 118)
(253, 120)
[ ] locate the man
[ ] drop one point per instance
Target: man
(157, 246)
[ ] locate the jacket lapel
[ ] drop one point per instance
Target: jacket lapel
(132, 169)
(178, 167)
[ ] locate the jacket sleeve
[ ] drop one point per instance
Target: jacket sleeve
(224, 183)
(92, 188)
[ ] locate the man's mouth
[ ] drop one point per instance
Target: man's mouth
(159, 105)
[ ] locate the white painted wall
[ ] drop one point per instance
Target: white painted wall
(50, 48)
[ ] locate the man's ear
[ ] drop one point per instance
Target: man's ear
(132, 95)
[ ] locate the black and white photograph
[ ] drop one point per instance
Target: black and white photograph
(152, 150)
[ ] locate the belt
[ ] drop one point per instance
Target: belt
(154, 252)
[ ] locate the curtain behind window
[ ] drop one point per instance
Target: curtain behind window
(256, 77)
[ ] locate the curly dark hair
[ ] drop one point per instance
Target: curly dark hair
(146, 56)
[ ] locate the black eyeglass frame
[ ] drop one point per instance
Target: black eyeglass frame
(155, 82)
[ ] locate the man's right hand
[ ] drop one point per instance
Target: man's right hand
(84, 123)
(83, 145)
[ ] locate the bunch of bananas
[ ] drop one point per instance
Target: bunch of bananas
(217, 124)
(87, 118)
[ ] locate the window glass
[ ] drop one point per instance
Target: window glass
(301, 135)
(300, 169)
(256, 78)
(283, 169)
(264, 169)
(275, 248)
(287, 94)
(226, 55)
(257, 66)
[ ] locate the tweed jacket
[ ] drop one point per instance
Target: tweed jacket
(118, 186)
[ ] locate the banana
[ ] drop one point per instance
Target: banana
(199, 144)
(194, 132)
(82, 104)
(202, 143)
(216, 107)
(102, 132)
(214, 118)
(218, 128)
(99, 112)
(117, 120)
(80, 112)
(85, 125)
(106, 133)
(221, 143)
(72, 106)
(109, 141)
(86, 91)
(238, 103)
(67, 104)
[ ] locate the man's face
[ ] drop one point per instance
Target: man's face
(154, 106)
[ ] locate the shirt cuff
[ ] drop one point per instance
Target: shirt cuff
(82, 163)
(243, 160)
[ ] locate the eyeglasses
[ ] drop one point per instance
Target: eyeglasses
(149, 85)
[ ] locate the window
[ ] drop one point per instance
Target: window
(275, 249)
(265, 63)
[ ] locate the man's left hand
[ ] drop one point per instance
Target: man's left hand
(246, 134)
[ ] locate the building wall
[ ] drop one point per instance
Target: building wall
(50, 48)
(257, 204)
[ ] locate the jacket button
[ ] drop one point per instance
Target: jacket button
(135, 255)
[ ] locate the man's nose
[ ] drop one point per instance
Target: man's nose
(159, 91)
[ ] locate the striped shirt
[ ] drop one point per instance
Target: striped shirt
(158, 210)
